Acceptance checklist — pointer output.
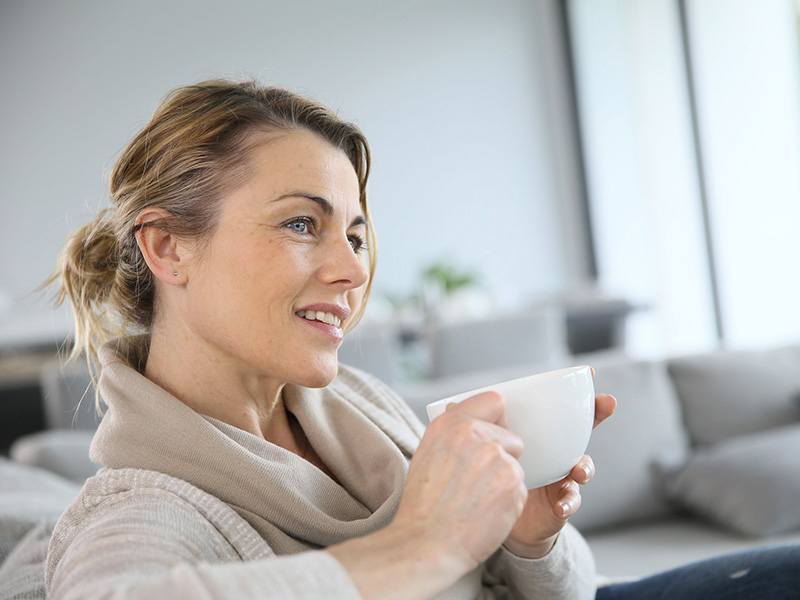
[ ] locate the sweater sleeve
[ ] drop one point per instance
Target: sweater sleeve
(566, 573)
(154, 548)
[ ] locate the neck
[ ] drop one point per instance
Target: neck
(210, 387)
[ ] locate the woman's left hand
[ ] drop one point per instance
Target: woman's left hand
(548, 508)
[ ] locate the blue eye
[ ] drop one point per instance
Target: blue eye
(357, 243)
(302, 225)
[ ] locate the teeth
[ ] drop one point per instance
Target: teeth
(318, 315)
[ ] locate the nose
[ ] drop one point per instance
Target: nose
(343, 266)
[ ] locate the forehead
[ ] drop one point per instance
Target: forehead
(302, 161)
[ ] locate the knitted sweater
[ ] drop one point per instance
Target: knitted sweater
(189, 507)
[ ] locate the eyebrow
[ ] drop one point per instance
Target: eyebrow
(325, 206)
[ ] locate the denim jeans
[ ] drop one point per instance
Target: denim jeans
(770, 573)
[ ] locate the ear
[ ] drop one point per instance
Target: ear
(163, 252)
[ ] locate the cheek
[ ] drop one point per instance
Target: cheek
(356, 298)
(274, 263)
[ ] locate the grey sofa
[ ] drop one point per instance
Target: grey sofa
(699, 460)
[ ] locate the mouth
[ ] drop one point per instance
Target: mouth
(321, 316)
(326, 317)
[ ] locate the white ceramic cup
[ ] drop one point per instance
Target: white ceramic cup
(552, 412)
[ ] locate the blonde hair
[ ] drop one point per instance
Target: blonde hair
(194, 149)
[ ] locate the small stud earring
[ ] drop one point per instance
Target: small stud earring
(175, 273)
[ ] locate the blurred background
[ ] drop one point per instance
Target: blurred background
(631, 167)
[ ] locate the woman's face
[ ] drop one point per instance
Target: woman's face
(286, 266)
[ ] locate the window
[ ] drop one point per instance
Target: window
(691, 136)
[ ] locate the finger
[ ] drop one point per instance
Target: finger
(458, 428)
(480, 418)
(507, 440)
(522, 491)
(604, 407)
(487, 406)
(583, 472)
(569, 500)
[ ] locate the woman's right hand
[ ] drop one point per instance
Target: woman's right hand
(464, 491)
(465, 486)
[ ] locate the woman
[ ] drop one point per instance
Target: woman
(241, 459)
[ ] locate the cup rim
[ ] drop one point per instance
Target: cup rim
(536, 376)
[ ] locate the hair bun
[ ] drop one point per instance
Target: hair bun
(86, 272)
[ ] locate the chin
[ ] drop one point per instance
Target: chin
(320, 377)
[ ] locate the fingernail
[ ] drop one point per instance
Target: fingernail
(565, 507)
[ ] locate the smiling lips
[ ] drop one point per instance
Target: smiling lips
(318, 315)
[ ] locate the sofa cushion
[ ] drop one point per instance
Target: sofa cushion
(535, 335)
(61, 451)
(22, 575)
(646, 425)
(749, 484)
(664, 544)
(28, 496)
(726, 394)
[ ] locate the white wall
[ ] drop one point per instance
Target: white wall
(450, 94)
